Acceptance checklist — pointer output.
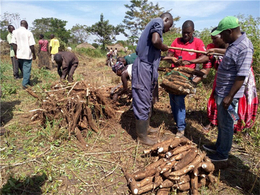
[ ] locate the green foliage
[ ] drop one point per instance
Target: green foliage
(205, 36)
(48, 26)
(20, 185)
(105, 32)
(169, 37)
(7, 80)
(6, 19)
(79, 34)
(139, 14)
(94, 53)
(95, 45)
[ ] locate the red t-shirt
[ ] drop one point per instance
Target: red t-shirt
(194, 43)
(44, 44)
(209, 64)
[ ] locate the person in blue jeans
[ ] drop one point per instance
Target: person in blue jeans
(232, 74)
(187, 41)
(177, 103)
(23, 45)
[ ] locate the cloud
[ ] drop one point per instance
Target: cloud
(30, 12)
(83, 7)
(194, 8)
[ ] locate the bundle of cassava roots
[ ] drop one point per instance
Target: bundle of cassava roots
(74, 107)
(178, 81)
(180, 166)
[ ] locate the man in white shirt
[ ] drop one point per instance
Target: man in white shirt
(23, 45)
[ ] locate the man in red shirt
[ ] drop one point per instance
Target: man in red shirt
(187, 41)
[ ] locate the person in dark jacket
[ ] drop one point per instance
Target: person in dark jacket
(67, 63)
(145, 72)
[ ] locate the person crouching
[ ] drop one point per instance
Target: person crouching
(67, 63)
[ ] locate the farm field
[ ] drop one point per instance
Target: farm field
(40, 156)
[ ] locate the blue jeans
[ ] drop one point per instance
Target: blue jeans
(225, 128)
(26, 65)
(178, 110)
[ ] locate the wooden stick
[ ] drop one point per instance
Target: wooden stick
(195, 51)
(72, 88)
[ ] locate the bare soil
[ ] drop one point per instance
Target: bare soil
(97, 168)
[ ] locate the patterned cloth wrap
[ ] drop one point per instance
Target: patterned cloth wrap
(118, 66)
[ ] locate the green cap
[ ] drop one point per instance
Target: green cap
(228, 22)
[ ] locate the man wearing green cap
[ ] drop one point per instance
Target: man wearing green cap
(230, 83)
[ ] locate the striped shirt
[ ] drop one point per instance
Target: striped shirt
(236, 62)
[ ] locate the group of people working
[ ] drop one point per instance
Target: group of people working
(111, 56)
(22, 52)
(234, 83)
(234, 89)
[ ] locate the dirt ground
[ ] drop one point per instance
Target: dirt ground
(97, 169)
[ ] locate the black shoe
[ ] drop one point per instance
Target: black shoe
(210, 148)
(25, 87)
(217, 158)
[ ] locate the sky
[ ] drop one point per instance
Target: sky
(204, 14)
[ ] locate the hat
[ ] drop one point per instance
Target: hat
(228, 22)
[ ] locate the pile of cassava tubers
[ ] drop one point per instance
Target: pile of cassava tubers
(180, 166)
(178, 81)
(76, 107)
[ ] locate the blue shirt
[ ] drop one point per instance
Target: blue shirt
(149, 57)
(236, 62)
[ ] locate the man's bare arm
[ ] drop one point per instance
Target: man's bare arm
(33, 51)
(236, 86)
(157, 42)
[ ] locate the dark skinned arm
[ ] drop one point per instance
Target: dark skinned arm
(40, 46)
(199, 60)
(236, 86)
(177, 62)
(124, 79)
(15, 49)
(169, 59)
(33, 51)
(50, 49)
(157, 42)
(216, 50)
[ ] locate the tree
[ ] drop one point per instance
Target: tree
(139, 15)
(251, 26)
(6, 19)
(105, 32)
(48, 26)
(79, 34)
(205, 36)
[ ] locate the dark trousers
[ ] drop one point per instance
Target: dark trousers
(16, 67)
(68, 71)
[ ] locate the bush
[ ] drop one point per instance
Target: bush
(94, 53)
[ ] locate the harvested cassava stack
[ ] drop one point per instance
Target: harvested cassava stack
(74, 107)
(178, 81)
(181, 166)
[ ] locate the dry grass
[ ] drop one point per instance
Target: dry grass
(33, 162)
